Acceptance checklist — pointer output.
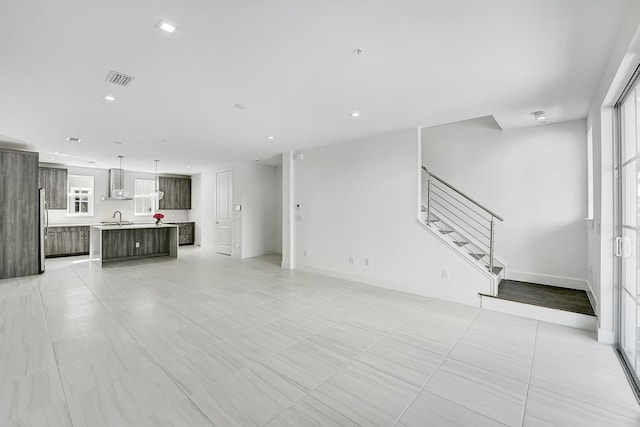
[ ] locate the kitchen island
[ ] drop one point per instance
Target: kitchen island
(109, 243)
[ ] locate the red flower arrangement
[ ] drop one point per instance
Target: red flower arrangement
(158, 217)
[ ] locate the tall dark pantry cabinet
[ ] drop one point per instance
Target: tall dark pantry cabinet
(19, 214)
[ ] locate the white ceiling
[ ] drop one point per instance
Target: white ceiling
(291, 62)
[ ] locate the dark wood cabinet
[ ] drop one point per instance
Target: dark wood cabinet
(19, 214)
(135, 243)
(186, 233)
(66, 241)
(54, 182)
(177, 192)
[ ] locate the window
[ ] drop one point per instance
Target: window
(144, 204)
(80, 195)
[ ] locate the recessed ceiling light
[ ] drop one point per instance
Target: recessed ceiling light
(91, 162)
(117, 142)
(271, 138)
(165, 26)
(73, 139)
(59, 154)
(188, 167)
(109, 98)
(354, 114)
(240, 106)
(540, 116)
(52, 158)
(358, 51)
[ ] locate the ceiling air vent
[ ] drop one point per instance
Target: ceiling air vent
(119, 79)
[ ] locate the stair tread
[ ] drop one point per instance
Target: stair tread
(477, 256)
(460, 243)
(496, 269)
(446, 231)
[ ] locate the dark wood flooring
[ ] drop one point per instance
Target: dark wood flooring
(546, 296)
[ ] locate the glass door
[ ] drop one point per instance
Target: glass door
(627, 240)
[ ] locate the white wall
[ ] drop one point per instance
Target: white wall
(196, 209)
(535, 178)
(623, 60)
(104, 209)
(359, 199)
(254, 188)
(278, 199)
(254, 227)
(288, 226)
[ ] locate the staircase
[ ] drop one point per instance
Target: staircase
(462, 223)
(469, 228)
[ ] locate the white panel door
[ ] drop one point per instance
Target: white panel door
(224, 211)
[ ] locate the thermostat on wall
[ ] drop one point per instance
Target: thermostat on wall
(238, 207)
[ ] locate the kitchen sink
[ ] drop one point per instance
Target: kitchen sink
(117, 223)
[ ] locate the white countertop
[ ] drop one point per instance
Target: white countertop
(133, 226)
(100, 224)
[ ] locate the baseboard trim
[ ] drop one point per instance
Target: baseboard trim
(472, 298)
(605, 336)
(592, 297)
(349, 276)
(544, 279)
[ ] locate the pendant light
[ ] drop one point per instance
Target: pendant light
(156, 194)
(121, 193)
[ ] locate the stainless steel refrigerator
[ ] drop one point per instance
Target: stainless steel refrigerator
(44, 227)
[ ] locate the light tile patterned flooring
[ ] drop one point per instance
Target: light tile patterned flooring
(209, 340)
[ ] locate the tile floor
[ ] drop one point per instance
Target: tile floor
(209, 340)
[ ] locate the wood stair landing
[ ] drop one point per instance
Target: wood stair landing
(573, 300)
(570, 307)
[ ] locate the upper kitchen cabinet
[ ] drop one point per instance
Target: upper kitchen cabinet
(177, 192)
(54, 182)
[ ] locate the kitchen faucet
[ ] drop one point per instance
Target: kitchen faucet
(119, 219)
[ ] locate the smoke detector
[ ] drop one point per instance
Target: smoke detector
(540, 116)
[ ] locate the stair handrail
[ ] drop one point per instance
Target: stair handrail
(433, 175)
(494, 216)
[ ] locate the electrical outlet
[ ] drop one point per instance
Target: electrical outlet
(445, 273)
(366, 262)
(137, 244)
(305, 253)
(352, 260)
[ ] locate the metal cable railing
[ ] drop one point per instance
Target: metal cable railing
(476, 222)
